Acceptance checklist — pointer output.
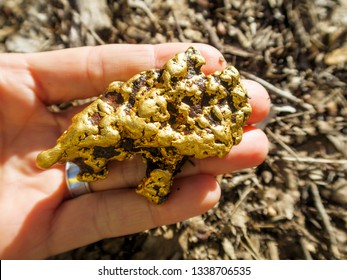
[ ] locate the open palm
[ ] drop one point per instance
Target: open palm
(37, 218)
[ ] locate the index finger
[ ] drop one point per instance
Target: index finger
(84, 72)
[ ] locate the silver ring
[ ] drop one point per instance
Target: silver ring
(75, 187)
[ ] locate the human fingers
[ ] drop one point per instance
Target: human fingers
(77, 73)
(259, 99)
(250, 152)
(100, 215)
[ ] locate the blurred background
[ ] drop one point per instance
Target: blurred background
(294, 205)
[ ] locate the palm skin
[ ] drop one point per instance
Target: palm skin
(37, 218)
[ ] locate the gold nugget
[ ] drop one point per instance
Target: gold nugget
(165, 115)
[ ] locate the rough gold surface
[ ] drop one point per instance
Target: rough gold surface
(165, 115)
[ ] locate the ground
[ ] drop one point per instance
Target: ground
(294, 205)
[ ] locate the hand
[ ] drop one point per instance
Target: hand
(37, 218)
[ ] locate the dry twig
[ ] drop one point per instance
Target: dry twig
(249, 246)
(94, 14)
(281, 143)
(91, 30)
(211, 31)
(143, 6)
(280, 92)
(296, 158)
(243, 196)
(325, 219)
(306, 252)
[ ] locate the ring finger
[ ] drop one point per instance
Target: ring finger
(250, 152)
